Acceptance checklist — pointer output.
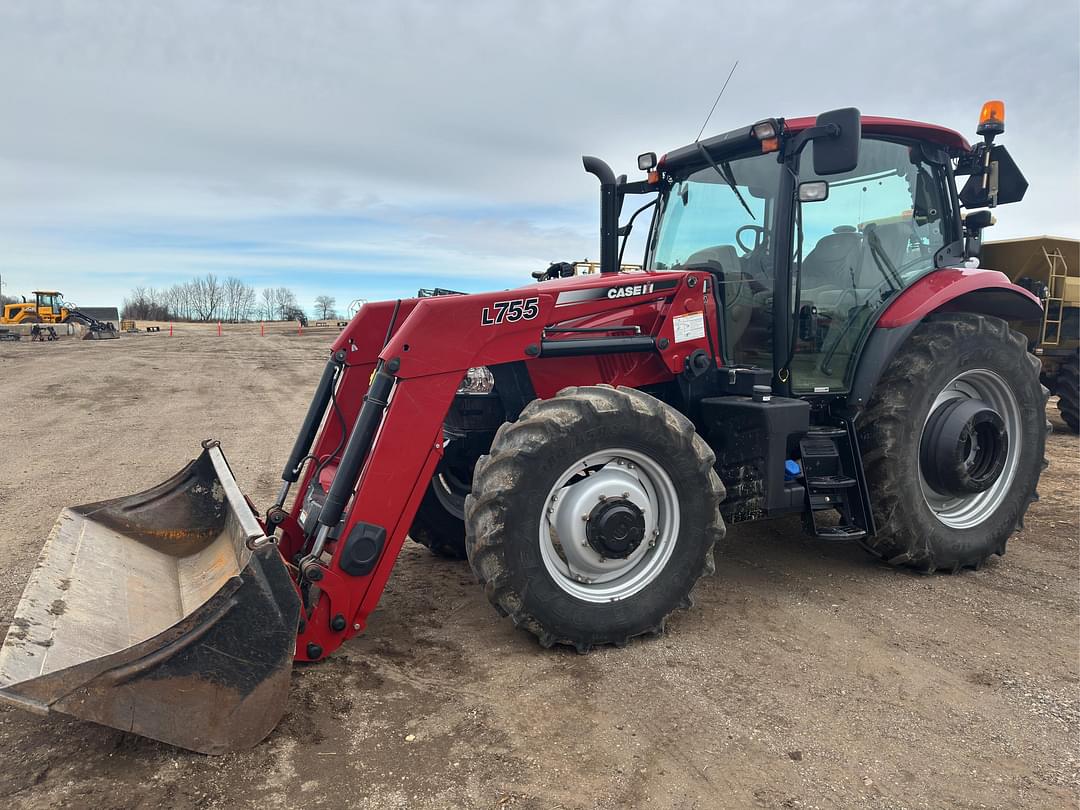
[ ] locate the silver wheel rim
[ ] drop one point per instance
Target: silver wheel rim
(971, 510)
(574, 565)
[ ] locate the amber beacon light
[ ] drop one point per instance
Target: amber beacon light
(992, 118)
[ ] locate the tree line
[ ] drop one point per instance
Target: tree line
(208, 298)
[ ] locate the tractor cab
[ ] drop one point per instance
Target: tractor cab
(50, 305)
(786, 221)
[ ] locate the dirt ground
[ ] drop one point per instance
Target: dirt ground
(807, 675)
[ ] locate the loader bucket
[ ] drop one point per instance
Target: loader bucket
(166, 614)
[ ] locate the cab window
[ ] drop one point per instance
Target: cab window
(876, 233)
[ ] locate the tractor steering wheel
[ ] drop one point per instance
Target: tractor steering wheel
(759, 237)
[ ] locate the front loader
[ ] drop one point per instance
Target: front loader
(811, 335)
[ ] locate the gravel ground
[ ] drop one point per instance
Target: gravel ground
(807, 675)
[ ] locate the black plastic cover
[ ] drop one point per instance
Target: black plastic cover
(362, 549)
(740, 381)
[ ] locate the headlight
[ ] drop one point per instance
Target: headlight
(477, 380)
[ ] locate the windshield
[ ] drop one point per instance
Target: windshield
(703, 219)
(705, 223)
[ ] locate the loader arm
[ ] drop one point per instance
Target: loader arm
(398, 366)
(176, 613)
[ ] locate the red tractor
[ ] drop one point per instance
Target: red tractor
(810, 335)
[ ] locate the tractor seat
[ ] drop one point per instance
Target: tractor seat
(832, 261)
(723, 263)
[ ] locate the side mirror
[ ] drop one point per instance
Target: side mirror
(977, 220)
(839, 152)
(813, 191)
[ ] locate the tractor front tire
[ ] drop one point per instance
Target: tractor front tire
(1067, 387)
(948, 493)
(439, 523)
(593, 516)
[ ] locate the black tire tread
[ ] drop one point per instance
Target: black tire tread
(898, 540)
(1067, 389)
(442, 533)
(486, 508)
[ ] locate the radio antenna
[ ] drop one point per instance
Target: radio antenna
(713, 109)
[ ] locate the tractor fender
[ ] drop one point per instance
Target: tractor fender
(952, 289)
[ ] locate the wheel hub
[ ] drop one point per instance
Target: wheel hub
(610, 525)
(969, 448)
(615, 528)
(964, 447)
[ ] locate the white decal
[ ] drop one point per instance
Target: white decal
(690, 326)
(626, 292)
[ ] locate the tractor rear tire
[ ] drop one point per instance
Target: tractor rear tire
(947, 357)
(628, 463)
(440, 520)
(1067, 388)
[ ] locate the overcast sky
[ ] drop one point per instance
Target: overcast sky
(367, 149)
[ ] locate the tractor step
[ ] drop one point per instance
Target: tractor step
(830, 482)
(826, 433)
(840, 533)
(832, 471)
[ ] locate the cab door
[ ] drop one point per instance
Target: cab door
(876, 232)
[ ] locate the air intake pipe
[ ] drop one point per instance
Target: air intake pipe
(609, 213)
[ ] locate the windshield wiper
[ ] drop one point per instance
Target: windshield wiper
(727, 177)
(884, 263)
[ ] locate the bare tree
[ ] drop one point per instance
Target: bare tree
(207, 297)
(238, 299)
(248, 303)
(284, 303)
(268, 308)
(203, 298)
(324, 305)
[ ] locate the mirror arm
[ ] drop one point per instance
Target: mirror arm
(799, 142)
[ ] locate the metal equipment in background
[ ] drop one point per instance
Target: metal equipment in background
(1049, 266)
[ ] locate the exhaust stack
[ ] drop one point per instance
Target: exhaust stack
(609, 213)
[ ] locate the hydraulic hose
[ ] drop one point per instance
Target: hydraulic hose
(371, 412)
(312, 420)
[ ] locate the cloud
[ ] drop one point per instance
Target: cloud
(381, 145)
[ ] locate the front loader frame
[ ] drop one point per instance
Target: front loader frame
(392, 376)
